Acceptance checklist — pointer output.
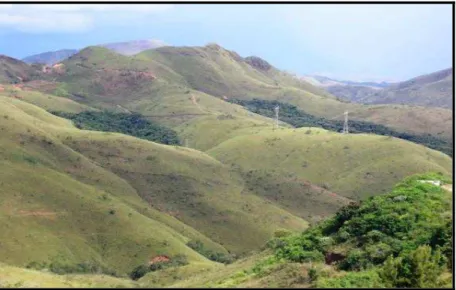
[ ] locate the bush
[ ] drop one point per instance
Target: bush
(139, 272)
(199, 247)
(364, 279)
(419, 269)
(355, 260)
(62, 268)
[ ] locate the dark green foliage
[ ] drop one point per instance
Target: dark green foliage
(356, 260)
(211, 255)
(130, 124)
(293, 116)
(398, 225)
(62, 268)
(419, 269)
(141, 270)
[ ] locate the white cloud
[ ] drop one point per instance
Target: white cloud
(6, 6)
(143, 8)
(39, 18)
(67, 22)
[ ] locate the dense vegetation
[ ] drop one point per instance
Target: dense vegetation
(292, 115)
(400, 239)
(208, 253)
(61, 268)
(130, 124)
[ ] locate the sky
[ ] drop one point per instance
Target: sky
(359, 42)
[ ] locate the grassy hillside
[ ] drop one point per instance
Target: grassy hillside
(148, 196)
(50, 192)
(223, 73)
(354, 165)
(163, 83)
(211, 199)
(48, 102)
(292, 115)
(15, 277)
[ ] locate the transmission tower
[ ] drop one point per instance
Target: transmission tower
(345, 129)
(276, 110)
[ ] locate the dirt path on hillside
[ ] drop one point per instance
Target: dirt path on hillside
(448, 187)
(38, 213)
(123, 108)
(196, 103)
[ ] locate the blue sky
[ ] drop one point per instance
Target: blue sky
(354, 42)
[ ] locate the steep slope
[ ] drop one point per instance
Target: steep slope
(50, 57)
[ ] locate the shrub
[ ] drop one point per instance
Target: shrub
(139, 272)
(419, 269)
(355, 260)
(364, 279)
(199, 247)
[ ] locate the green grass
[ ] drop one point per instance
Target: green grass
(46, 101)
(147, 198)
(15, 277)
(292, 115)
(355, 166)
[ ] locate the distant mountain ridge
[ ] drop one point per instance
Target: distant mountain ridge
(323, 81)
(125, 48)
(430, 90)
(50, 57)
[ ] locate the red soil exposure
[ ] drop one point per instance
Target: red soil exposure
(157, 259)
(38, 213)
(2, 89)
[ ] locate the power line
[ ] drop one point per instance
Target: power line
(345, 129)
(276, 110)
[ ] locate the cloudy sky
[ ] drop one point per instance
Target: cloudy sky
(354, 42)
